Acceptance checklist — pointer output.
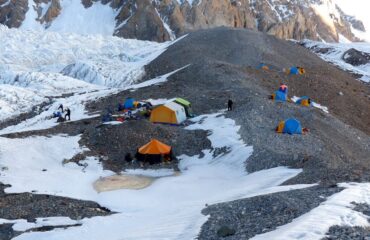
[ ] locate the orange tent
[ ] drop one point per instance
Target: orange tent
(155, 147)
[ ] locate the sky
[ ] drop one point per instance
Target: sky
(359, 9)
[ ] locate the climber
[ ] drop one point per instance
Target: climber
(230, 105)
(68, 113)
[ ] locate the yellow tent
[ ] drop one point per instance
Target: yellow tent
(171, 113)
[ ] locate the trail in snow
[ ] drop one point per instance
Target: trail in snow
(169, 209)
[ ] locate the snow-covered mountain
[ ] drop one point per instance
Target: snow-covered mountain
(162, 20)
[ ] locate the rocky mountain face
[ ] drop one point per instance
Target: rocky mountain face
(162, 20)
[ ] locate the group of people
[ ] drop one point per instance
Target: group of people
(59, 114)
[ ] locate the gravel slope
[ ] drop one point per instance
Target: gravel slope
(222, 65)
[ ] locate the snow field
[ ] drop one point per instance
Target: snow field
(168, 209)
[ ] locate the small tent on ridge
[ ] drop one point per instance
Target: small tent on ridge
(263, 67)
(187, 106)
(295, 71)
(279, 96)
(290, 126)
(170, 112)
(153, 152)
(304, 101)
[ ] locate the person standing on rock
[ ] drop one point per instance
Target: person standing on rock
(230, 105)
(68, 113)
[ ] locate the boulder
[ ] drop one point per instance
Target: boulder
(355, 57)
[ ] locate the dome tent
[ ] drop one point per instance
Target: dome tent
(129, 103)
(304, 101)
(279, 96)
(290, 126)
(171, 113)
(153, 152)
(263, 66)
(295, 71)
(187, 106)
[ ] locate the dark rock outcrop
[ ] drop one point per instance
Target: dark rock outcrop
(355, 57)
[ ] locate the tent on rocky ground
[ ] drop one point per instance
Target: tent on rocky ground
(304, 101)
(263, 67)
(279, 96)
(154, 152)
(187, 106)
(295, 71)
(170, 113)
(129, 103)
(290, 126)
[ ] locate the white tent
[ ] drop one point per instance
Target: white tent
(170, 112)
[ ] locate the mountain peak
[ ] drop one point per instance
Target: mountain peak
(164, 20)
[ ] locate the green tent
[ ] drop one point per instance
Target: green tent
(186, 104)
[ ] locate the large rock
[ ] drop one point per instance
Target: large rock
(51, 13)
(13, 13)
(355, 57)
(141, 20)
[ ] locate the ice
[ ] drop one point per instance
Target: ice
(49, 64)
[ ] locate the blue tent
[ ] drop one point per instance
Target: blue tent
(129, 103)
(280, 96)
(263, 66)
(304, 99)
(292, 126)
(294, 70)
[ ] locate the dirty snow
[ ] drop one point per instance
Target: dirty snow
(337, 210)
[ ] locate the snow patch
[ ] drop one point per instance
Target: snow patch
(171, 201)
(337, 210)
(337, 50)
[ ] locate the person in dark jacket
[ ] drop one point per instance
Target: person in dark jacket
(68, 113)
(128, 157)
(61, 107)
(230, 105)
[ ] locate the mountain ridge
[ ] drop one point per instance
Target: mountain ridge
(163, 20)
